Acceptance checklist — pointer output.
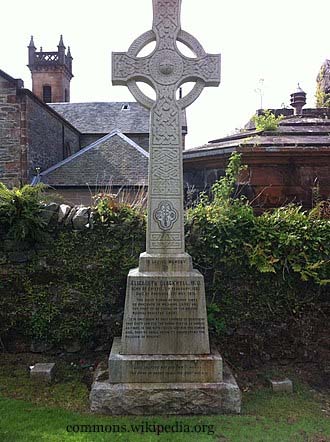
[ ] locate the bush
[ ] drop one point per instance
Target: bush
(260, 271)
(21, 213)
(267, 121)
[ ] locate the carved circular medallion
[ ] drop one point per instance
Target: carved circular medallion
(166, 67)
(165, 215)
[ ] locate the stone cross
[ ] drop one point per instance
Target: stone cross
(165, 70)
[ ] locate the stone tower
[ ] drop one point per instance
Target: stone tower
(51, 73)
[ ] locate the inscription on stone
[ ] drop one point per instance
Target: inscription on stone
(162, 307)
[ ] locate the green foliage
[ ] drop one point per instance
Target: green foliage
(287, 241)
(75, 282)
(258, 270)
(20, 212)
(267, 121)
(215, 322)
(322, 98)
(110, 210)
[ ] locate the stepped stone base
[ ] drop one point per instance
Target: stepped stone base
(167, 368)
(193, 398)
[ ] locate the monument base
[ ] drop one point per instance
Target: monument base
(145, 399)
(175, 368)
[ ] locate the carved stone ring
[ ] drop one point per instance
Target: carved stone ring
(167, 66)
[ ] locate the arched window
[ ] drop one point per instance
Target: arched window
(66, 95)
(47, 94)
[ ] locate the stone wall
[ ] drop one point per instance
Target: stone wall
(11, 150)
(50, 139)
(31, 134)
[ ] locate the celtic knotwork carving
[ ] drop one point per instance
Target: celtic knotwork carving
(165, 69)
(165, 215)
(165, 171)
(166, 118)
(125, 67)
(192, 43)
(166, 23)
(140, 42)
(165, 240)
(206, 68)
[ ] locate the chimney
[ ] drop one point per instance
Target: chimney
(298, 100)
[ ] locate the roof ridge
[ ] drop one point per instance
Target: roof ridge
(80, 152)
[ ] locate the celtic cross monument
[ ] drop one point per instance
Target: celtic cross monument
(162, 363)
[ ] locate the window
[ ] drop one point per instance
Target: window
(66, 95)
(47, 94)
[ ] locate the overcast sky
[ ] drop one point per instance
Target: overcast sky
(282, 42)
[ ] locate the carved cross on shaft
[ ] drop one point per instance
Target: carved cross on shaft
(165, 70)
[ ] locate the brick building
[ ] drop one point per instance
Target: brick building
(286, 165)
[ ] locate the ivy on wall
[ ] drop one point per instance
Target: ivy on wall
(258, 270)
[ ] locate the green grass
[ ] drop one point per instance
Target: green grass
(40, 412)
(266, 417)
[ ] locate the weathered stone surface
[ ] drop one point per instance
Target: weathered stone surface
(165, 69)
(38, 346)
(63, 211)
(167, 368)
(167, 398)
(81, 218)
(165, 313)
(159, 263)
(165, 340)
(48, 212)
(43, 372)
(68, 220)
(72, 346)
(284, 385)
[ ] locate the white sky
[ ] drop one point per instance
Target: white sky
(282, 42)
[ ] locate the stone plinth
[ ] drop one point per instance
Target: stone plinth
(181, 262)
(165, 313)
(168, 368)
(164, 398)
(284, 385)
(43, 372)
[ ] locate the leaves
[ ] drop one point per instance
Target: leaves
(267, 121)
(20, 212)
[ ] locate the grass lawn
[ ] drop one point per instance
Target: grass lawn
(30, 412)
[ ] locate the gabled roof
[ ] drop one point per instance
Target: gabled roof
(112, 160)
(14, 81)
(104, 117)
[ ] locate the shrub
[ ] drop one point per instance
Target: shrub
(267, 121)
(21, 213)
(258, 270)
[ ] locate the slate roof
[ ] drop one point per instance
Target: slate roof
(113, 160)
(307, 132)
(104, 117)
